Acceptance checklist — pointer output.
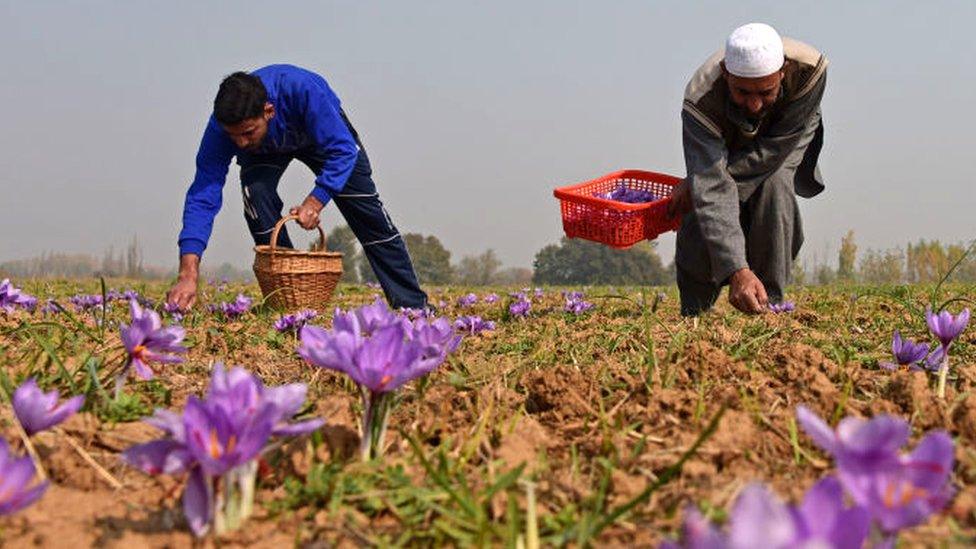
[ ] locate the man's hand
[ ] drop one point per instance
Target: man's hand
(308, 213)
(747, 293)
(183, 294)
(680, 200)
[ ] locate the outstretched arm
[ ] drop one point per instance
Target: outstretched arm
(203, 201)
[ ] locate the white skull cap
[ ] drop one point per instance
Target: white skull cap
(753, 51)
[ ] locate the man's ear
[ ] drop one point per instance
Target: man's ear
(269, 111)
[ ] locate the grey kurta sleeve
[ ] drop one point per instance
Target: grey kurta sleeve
(715, 198)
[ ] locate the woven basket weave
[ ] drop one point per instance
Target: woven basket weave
(296, 279)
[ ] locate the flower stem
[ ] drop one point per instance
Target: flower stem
(943, 372)
(219, 510)
(29, 446)
(367, 433)
(377, 410)
(119, 384)
(247, 480)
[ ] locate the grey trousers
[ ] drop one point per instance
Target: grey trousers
(770, 221)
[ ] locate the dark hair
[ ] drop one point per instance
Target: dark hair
(241, 96)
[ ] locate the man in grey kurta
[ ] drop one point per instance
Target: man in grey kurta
(751, 141)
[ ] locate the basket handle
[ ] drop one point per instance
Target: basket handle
(281, 223)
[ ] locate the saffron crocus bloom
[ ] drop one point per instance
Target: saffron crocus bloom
(51, 308)
(628, 195)
(147, 341)
(11, 297)
(220, 439)
(217, 441)
(783, 307)
(83, 302)
(473, 325)
(759, 519)
(174, 311)
(897, 490)
(379, 363)
(857, 444)
(575, 303)
(16, 475)
(379, 360)
(520, 308)
(242, 394)
(234, 309)
(373, 316)
(491, 298)
(467, 300)
(907, 494)
(906, 353)
(946, 328)
(294, 322)
(38, 411)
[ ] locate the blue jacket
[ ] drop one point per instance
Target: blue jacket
(307, 113)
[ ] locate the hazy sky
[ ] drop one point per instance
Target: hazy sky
(471, 112)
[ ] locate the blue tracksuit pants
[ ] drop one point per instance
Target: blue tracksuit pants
(358, 202)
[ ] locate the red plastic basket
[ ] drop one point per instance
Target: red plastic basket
(618, 224)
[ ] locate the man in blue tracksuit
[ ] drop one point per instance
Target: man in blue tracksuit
(266, 119)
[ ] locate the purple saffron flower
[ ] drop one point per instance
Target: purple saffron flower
(784, 307)
(520, 308)
(909, 493)
(759, 519)
(857, 444)
(11, 297)
(899, 491)
(622, 193)
(906, 352)
(436, 339)
(935, 359)
(371, 317)
(220, 440)
(174, 311)
(241, 394)
(467, 300)
(286, 323)
(379, 360)
(538, 293)
(198, 502)
(147, 341)
(84, 302)
(822, 520)
(234, 309)
(473, 325)
(575, 303)
(16, 475)
(697, 533)
(380, 363)
(946, 327)
(38, 411)
(50, 308)
(491, 298)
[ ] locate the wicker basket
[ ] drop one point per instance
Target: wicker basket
(296, 279)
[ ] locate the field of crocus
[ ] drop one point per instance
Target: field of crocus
(521, 417)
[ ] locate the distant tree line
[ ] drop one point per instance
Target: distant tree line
(126, 263)
(568, 262)
(925, 261)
